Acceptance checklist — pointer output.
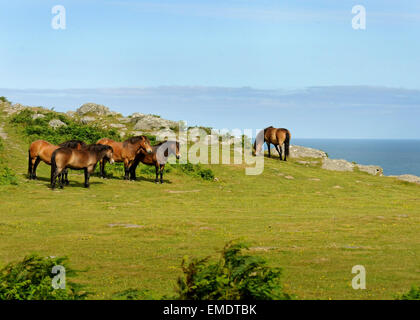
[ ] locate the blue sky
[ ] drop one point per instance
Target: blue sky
(232, 63)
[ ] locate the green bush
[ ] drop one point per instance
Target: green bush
(1, 144)
(413, 294)
(4, 99)
(235, 276)
(197, 170)
(31, 279)
(7, 176)
(39, 129)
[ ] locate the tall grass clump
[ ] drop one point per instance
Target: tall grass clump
(413, 294)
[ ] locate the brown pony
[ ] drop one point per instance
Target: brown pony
(276, 136)
(43, 150)
(157, 158)
(126, 151)
(85, 159)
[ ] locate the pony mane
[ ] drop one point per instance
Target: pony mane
(72, 144)
(135, 139)
(98, 147)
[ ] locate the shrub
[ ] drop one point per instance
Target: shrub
(31, 279)
(39, 129)
(4, 99)
(197, 170)
(7, 176)
(413, 294)
(235, 276)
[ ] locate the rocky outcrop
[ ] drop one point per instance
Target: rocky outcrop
(37, 116)
(343, 165)
(56, 123)
(408, 177)
(304, 152)
(12, 109)
(337, 165)
(151, 122)
(93, 108)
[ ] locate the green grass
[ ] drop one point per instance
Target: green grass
(311, 229)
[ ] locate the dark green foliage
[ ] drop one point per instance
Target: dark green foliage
(39, 128)
(31, 279)
(413, 294)
(4, 99)
(235, 276)
(197, 170)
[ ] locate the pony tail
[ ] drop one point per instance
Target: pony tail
(29, 164)
(53, 167)
(287, 144)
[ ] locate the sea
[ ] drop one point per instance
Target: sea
(396, 157)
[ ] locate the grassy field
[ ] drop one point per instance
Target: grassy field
(316, 226)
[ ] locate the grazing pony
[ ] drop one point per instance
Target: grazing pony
(43, 150)
(126, 152)
(85, 159)
(157, 158)
(276, 136)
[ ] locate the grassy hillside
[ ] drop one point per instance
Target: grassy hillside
(314, 223)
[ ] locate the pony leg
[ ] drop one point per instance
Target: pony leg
(269, 151)
(35, 165)
(54, 174)
(86, 178)
(66, 174)
(161, 173)
(157, 173)
(278, 148)
(126, 169)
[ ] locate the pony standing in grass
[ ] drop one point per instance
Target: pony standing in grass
(276, 136)
(85, 159)
(157, 158)
(126, 152)
(43, 150)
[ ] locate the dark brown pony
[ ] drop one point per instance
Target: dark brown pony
(85, 159)
(43, 150)
(157, 158)
(276, 136)
(126, 151)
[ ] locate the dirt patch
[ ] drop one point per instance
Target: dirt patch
(125, 225)
(186, 191)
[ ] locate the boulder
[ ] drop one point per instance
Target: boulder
(56, 123)
(373, 170)
(337, 165)
(150, 122)
(87, 119)
(37, 116)
(304, 152)
(94, 108)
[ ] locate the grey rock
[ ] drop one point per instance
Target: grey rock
(117, 125)
(56, 123)
(94, 108)
(304, 152)
(373, 170)
(337, 165)
(408, 177)
(87, 119)
(37, 116)
(150, 122)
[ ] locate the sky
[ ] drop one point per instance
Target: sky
(226, 64)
